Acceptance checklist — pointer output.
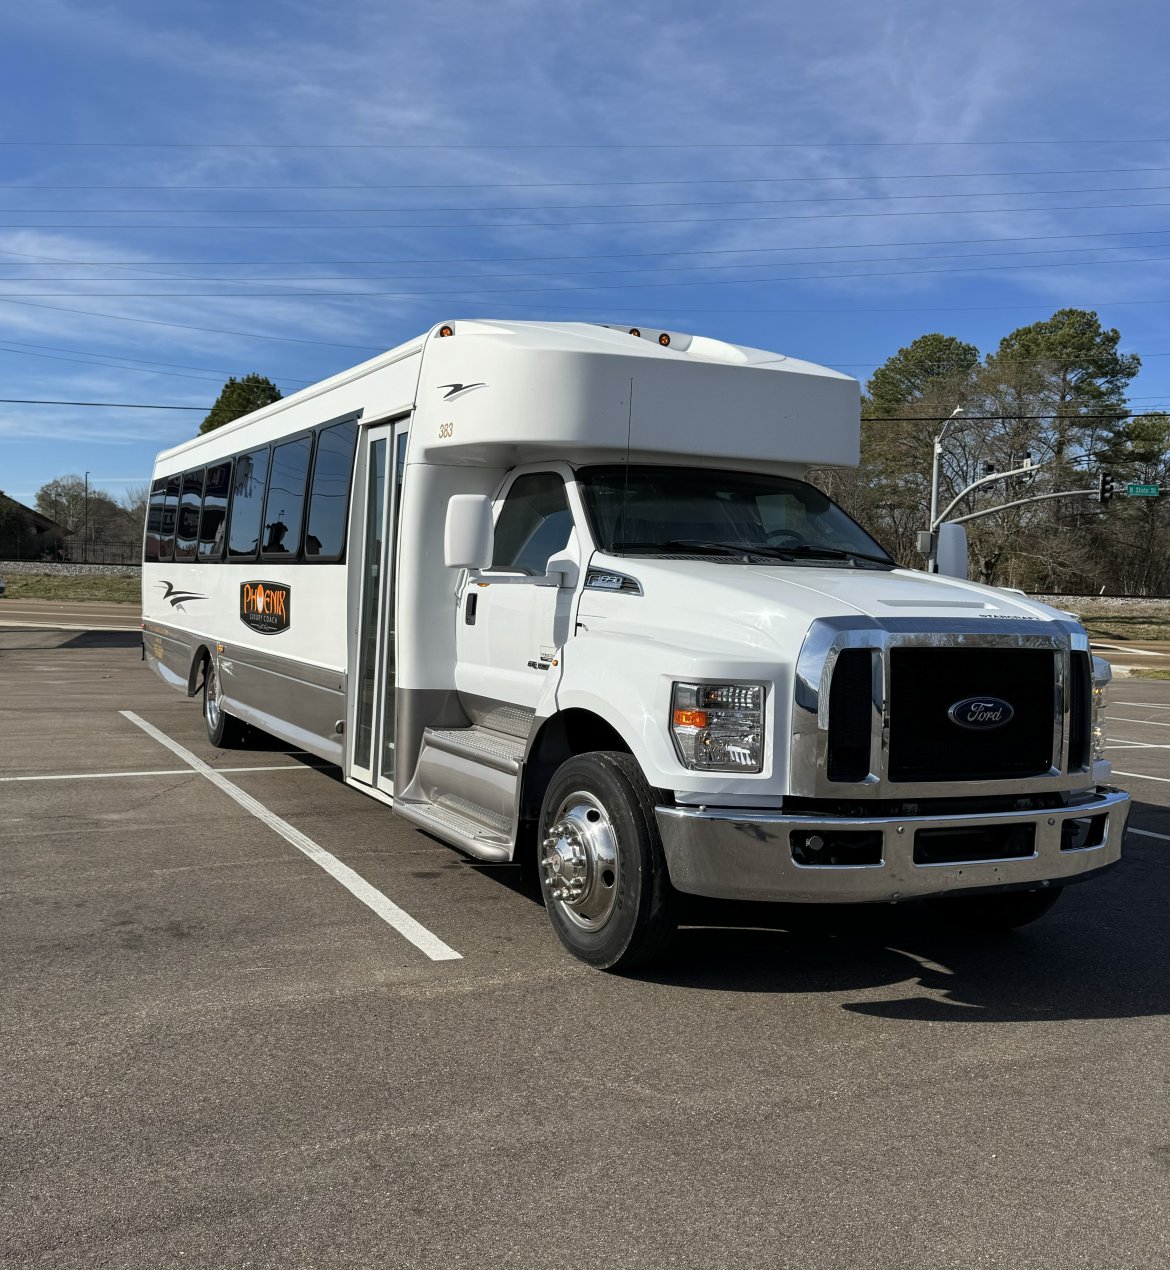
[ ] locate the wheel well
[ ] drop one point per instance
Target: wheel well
(198, 669)
(565, 734)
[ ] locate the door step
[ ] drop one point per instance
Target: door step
(494, 749)
(466, 789)
(470, 828)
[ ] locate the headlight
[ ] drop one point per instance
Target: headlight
(1102, 674)
(719, 727)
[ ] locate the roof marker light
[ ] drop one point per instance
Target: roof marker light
(634, 331)
(445, 331)
(664, 339)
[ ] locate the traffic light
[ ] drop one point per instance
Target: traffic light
(1106, 486)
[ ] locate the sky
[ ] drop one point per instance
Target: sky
(191, 192)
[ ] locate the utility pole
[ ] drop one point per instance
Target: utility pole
(85, 539)
(935, 476)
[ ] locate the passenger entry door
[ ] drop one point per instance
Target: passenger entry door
(373, 659)
(512, 621)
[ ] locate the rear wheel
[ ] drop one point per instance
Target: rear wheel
(1004, 911)
(224, 730)
(602, 871)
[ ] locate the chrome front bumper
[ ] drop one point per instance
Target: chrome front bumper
(747, 855)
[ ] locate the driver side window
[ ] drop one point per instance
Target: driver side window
(534, 523)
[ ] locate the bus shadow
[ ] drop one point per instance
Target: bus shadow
(105, 639)
(1101, 953)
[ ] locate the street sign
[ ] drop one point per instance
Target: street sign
(1142, 491)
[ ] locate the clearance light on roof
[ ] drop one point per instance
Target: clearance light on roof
(664, 339)
(634, 331)
(445, 331)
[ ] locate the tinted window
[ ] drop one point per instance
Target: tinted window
(329, 499)
(187, 530)
(154, 517)
(166, 545)
(534, 523)
(215, 502)
(654, 509)
(284, 508)
(247, 502)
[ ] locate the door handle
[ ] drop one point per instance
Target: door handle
(469, 608)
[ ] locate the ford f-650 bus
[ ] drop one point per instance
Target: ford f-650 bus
(564, 589)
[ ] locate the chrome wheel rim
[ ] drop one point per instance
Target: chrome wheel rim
(211, 697)
(579, 861)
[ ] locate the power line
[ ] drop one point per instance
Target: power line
(593, 273)
(185, 326)
(104, 405)
(122, 357)
(571, 224)
(548, 185)
(613, 286)
(999, 418)
(565, 207)
(148, 266)
(567, 145)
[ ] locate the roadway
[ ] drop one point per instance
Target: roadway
(218, 1054)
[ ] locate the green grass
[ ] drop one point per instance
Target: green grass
(1132, 624)
(1149, 674)
(56, 586)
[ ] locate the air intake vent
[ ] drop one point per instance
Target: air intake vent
(1080, 699)
(850, 715)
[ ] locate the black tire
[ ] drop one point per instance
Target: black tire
(1004, 911)
(224, 730)
(604, 811)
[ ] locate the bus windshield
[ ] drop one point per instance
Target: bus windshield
(646, 510)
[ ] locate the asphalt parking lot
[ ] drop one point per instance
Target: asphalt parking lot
(215, 1054)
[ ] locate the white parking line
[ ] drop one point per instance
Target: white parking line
(1149, 723)
(1141, 705)
(165, 771)
(1148, 833)
(1141, 776)
(353, 882)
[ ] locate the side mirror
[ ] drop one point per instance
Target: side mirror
(952, 550)
(468, 536)
(562, 570)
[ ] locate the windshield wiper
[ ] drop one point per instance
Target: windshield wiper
(832, 553)
(685, 544)
(744, 550)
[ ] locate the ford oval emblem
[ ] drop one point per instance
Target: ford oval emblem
(980, 713)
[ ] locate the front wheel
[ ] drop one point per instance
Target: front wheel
(602, 870)
(1004, 911)
(224, 730)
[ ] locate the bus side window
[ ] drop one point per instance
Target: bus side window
(534, 524)
(166, 545)
(284, 508)
(154, 516)
(329, 498)
(247, 503)
(214, 519)
(190, 502)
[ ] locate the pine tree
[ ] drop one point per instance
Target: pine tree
(240, 397)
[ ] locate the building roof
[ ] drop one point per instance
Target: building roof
(43, 524)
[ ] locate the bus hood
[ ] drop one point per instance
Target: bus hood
(756, 606)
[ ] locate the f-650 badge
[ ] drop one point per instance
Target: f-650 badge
(265, 606)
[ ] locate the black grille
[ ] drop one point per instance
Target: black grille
(1080, 694)
(925, 745)
(850, 715)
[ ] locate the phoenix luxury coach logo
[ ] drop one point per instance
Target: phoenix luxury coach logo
(265, 606)
(458, 390)
(177, 598)
(981, 713)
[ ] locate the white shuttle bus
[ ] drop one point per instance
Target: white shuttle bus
(564, 588)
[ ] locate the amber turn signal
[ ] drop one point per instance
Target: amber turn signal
(690, 718)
